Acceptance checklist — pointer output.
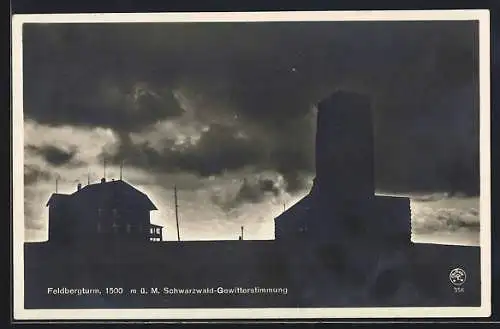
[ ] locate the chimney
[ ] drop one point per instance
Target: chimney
(344, 146)
(79, 187)
(103, 180)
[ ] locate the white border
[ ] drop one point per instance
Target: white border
(258, 313)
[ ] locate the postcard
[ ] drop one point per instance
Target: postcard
(253, 165)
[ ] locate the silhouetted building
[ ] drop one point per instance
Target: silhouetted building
(107, 211)
(342, 203)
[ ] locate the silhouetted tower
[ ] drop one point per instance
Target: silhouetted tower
(344, 146)
(242, 233)
(342, 203)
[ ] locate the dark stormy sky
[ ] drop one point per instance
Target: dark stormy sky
(226, 111)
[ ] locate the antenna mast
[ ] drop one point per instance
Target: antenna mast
(242, 233)
(88, 177)
(176, 213)
(121, 170)
(57, 180)
(104, 165)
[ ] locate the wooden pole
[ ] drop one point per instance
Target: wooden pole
(177, 213)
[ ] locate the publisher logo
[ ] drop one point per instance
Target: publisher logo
(457, 277)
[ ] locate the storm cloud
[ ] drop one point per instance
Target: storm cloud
(251, 90)
(251, 190)
(218, 148)
(33, 174)
(54, 155)
(447, 220)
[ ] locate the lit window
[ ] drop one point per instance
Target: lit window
(151, 230)
(158, 231)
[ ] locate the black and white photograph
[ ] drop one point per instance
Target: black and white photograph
(251, 165)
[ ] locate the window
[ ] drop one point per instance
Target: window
(115, 227)
(158, 230)
(128, 228)
(152, 230)
(99, 229)
(99, 212)
(115, 212)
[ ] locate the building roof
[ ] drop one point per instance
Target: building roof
(298, 210)
(57, 198)
(109, 194)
